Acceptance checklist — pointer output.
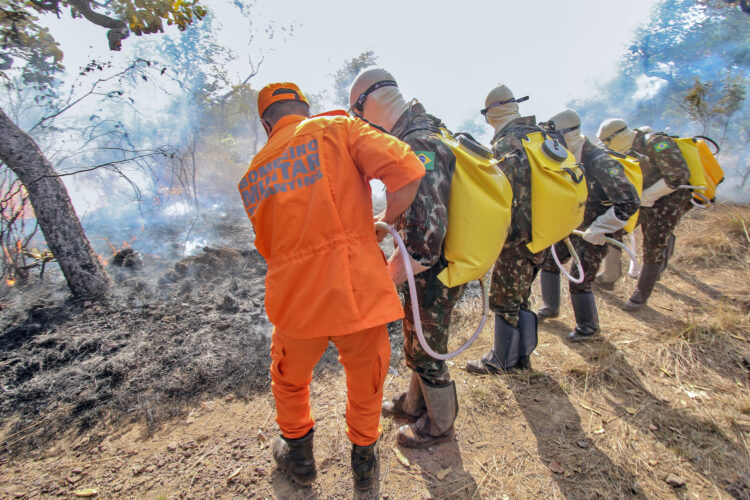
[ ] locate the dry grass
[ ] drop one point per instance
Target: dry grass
(717, 237)
(662, 392)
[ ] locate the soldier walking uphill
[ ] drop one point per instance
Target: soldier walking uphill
(517, 266)
(430, 399)
(662, 203)
(612, 200)
(308, 197)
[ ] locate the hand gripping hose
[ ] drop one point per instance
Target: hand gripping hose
(415, 305)
(630, 253)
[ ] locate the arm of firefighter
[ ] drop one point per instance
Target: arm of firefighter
(396, 203)
(669, 161)
(382, 156)
(617, 187)
(655, 191)
(606, 223)
(396, 267)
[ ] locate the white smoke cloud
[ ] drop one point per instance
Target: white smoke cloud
(648, 87)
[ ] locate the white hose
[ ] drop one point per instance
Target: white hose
(633, 270)
(576, 259)
(415, 305)
(630, 253)
(706, 201)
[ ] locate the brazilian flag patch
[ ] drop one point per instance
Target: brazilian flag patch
(427, 158)
(661, 146)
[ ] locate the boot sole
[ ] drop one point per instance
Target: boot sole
(545, 316)
(632, 308)
(581, 338)
(304, 481)
(437, 440)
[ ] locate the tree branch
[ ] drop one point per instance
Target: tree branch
(84, 8)
(118, 29)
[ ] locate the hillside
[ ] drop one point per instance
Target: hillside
(164, 392)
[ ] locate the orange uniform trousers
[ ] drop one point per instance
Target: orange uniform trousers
(365, 355)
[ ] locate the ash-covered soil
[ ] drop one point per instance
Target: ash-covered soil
(161, 340)
(168, 336)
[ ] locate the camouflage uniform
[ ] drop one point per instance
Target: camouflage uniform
(423, 227)
(607, 186)
(661, 158)
(517, 266)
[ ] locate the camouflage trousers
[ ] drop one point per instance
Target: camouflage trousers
(591, 258)
(658, 223)
(436, 302)
(512, 276)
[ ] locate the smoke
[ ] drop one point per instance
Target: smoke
(683, 47)
(648, 87)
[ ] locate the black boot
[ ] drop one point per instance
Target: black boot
(550, 295)
(587, 319)
(295, 456)
(527, 325)
(668, 251)
(504, 355)
(409, 404)
(364, 465)
(646, 281)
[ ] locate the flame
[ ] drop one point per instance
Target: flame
(10, 281)
(102, 260)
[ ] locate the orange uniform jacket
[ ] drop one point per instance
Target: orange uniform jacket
(308, 196)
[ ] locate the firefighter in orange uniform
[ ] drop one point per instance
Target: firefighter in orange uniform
(308, 196)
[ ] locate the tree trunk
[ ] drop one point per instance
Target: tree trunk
(57, 219)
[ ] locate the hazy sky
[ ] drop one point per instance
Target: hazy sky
(446, 54)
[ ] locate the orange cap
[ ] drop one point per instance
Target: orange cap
(275, 92)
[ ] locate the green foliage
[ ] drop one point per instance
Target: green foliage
(23, 38)
(344, 77)
(148, 16)
(710, 108)
(30, 49)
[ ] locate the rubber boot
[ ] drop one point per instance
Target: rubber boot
(587, 319)
(409, 404)
(648, 278)
(610, 269)
(528, 327)
(550, 295)
(668, 251)
(295, 456)
(504, 355)
(364, 465)
(435, 426)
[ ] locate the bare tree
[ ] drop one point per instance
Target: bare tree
(54, 211)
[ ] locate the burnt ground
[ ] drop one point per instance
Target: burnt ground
(145, 352)
(166, 337)
(162, 392)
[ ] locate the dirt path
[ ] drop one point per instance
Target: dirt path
(659, 400)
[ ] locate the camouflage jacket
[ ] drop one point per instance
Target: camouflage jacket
(660, 158)
(424, 225)
(607, 184)
(507, 147)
